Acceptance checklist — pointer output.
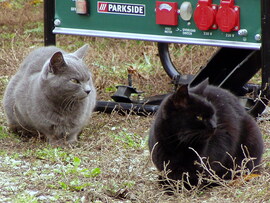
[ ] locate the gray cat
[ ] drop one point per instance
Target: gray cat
(51, 95)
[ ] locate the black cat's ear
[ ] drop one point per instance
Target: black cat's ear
(56, 63)
(199, 89)
(181, 96)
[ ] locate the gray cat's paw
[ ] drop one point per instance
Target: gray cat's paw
(62, 142)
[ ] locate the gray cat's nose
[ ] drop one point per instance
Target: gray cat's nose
(87, 91)
(87, 88)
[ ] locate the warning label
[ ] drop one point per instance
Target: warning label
(121, 8)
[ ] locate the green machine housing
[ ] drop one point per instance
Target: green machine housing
(240, 27)
(225, 23)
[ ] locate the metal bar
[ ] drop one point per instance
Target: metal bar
(242, 73)
(220, 65)
(265, 56)
(124, 108)
(49, 9)
(265, 25)
(157, 38)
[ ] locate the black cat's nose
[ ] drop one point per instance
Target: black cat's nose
(211, 125)
(87, 91)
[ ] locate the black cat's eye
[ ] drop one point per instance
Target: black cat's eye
(75, 81)
(200, 118)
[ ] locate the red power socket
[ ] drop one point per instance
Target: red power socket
(205, 15)
(228, 16)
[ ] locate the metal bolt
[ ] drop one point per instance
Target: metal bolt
(236, 9)
(258, 37)
(242, 32)
(57, 22)
(236, 27)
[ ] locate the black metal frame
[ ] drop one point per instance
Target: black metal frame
(265, 48)
(49, 10)
(231, 74)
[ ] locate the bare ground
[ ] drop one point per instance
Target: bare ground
(112, 162)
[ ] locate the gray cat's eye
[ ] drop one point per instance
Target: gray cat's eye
(75, 81)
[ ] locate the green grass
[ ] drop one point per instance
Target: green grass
(128, 139)
(25, 198)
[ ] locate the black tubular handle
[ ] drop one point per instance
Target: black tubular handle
(166, 61)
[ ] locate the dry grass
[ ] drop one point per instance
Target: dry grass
(112, 162)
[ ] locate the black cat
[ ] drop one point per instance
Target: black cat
(209, 120)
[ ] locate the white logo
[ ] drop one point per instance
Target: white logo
(102, 7)
(121, 8)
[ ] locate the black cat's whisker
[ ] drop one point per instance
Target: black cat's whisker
(221, 126)
(190, 137)
(196, 138)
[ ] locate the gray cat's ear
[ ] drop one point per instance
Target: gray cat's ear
(56, 63)
(80, 53)
(181, 96)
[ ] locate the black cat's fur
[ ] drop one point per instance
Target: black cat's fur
(209, 120)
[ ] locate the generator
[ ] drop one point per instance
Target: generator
(240, 28)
